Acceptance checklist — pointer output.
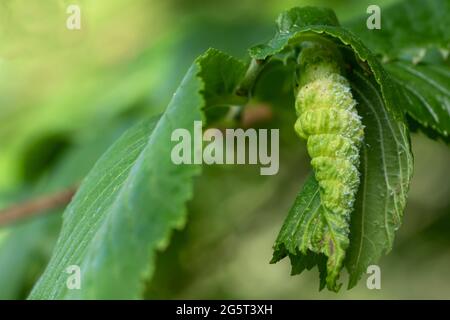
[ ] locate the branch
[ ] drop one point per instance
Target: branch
(253, 71)
(36, 206)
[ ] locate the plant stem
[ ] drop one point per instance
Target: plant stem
(36, 206)
(252, 73)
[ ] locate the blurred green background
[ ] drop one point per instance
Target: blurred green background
(65, 96)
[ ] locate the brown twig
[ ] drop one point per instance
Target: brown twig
(35, 207)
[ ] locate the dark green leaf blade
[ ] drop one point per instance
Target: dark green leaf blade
(426, 89)
(414, 44)
(386, 170)
(408, 29)
(221, 82)
(290, 22)
(310, 235)
(221, 74)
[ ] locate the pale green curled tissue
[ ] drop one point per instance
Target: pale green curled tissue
(328, 120)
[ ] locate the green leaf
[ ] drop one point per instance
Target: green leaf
(129, 203)
(386, 160)
(310, 234)
(221, 81)
(408, 29)
(386, 170)
(414, 43)
(426, 89)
